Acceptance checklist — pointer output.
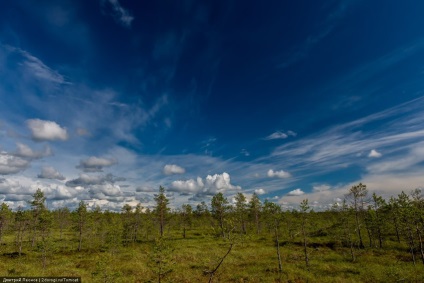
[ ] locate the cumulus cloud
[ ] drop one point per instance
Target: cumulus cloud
(321, 188)
(374, 154)
(279, 174)
(46, 130)
(62, 193)
(188, 186)
(296, 192)
(119, 14)
(85, 180)
(105, 190)
(260, 191)
(13, 190)
(210, 186)
(49, 172)
(7, 186)
(170, 169)
(219, 182)
(145, 189)
(96, 164)
(25, 151)
(10, 164)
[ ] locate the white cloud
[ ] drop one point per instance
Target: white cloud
(10, 164)
(276, 136)
(145, 189)
(374, 154)
(296, 192)
(46, 130)
(100, 191)
(188, 186)
(280, 174)
(37, 68)
(85, 180)
(340, 146)
(49, 172)
(245, 152)
(96, 164)
(63, 193)
(219, 182)
(25, 151)
(170, 169)
(120, 14)
(260, 191)
(211, 185)
(291, 133)
(321, 188)
(404, 162)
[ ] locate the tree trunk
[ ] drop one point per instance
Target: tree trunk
(395, 220)
(411, 244)
(80, 238)
(280, 267)
(421, 243)
(305, 244)
(358, 228)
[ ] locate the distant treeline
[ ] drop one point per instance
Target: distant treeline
(359, 222)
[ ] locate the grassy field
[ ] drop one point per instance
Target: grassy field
(252, 259)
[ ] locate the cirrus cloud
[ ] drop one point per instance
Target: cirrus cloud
(120, 15)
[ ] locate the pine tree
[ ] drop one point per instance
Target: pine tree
(357, 195)
(186, 214)
(304, 207)
(219, 206)
(5, 219)
(241, 211)
(37, 207)
(161, 209)
(255, 208)
(81, 219)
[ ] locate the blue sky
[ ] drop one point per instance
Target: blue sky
(104, 101)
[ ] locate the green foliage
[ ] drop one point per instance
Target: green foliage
(255, 208)
(161, 209)
(220, 208)
(81, 220)
(118, 247)
(161, 260)
(5, 219)
(104, 270)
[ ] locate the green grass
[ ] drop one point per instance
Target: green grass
(252, 259)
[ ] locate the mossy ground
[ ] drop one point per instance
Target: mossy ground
(252, 259)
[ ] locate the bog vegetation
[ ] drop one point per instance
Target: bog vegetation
(363, 239)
